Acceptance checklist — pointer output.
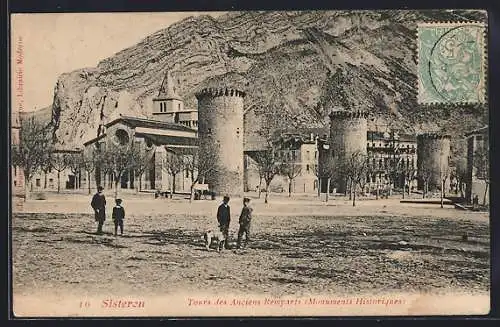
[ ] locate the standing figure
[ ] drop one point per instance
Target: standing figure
(99, 205)
(245, 220)
(118, 216)
(224, 218)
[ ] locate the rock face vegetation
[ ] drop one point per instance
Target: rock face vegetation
(295, 65)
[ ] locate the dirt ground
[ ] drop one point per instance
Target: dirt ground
(298, 247)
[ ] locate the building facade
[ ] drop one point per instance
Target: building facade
(393, 159)
(17, 174)
(155, 138)
(477, 177)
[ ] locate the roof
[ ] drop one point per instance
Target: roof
(149, 123)
(95, 139)
(482, 130)
(169, 140)
(167, 90)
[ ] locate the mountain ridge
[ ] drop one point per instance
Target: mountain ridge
(295, 66)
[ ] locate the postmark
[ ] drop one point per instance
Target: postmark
(451, 63)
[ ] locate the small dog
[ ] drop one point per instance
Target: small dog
(217, 236)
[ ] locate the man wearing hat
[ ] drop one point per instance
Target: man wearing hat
(224, 218)
(99, 205)
(245, 219)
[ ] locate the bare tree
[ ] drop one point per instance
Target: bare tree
(482, 164)
(31, 153)
(118, 159)
(289, 168)
(60, 161)
(75, 165)
(425, 174)
(458, 172)
(141, 163)
(173, 164)
(356, 169)
(444, 173)
(46, 166)
(199, 163)
(269, 166)
(327, 170)
(408, 172)
(89, 160)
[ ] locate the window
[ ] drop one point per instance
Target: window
(315, 154)
(179, 106)
(121, 137)
(308, 155)
(307, 168)
(37, 182)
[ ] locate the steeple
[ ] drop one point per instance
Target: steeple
(167, 89)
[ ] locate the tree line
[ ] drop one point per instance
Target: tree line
(37, 153)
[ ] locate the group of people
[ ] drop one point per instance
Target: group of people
(98, 203)
(224, 219)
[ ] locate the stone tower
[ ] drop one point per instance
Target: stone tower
(348, 134)
(220, 125)
(433, 153)
(167, 104)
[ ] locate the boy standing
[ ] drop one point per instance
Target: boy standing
(99, 205)
(224, 218)
(118, 216)
(245, 220)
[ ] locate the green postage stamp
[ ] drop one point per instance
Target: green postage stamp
(451, 63)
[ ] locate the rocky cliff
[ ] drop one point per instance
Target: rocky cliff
(293, 65)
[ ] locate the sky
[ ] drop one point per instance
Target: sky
(51, 44)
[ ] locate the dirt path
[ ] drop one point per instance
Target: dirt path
(346, 252)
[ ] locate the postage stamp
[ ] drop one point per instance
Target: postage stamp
(271, 163)
(451, 63)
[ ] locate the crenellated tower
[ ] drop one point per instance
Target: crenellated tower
(220, 125)
(348, 134)
(433, 153)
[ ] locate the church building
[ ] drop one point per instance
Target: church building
(171, 129)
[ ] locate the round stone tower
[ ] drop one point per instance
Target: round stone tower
(433, 153)
(348, 134)
(220, 131)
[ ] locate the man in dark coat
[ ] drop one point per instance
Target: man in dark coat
(245, 220)
(224, 218)
(99, 205)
